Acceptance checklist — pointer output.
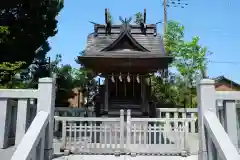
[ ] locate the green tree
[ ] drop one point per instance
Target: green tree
(3, 33)
(67, 79)
(138, 18)
(25, 26)
(7, 70)
(189, 61)
(174, 37)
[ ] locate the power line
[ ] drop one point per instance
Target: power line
(224, 62)
(171, 3)
(177, 3)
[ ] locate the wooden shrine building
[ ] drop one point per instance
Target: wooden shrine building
(124, 55)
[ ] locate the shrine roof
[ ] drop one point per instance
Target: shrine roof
(148, 42)
(125, 47)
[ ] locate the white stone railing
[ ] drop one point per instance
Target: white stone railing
(105, 135)
(161, 135)
(32, 144)
(219, 144)
(91, 134)
(228, 113)
(191, 113)
(217, 120)
(17, 123)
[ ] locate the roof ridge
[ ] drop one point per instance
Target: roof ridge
(123, 33)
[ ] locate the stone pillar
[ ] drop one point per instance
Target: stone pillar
(106, 95)
(46, 102)
(206, 95)
(231, 121)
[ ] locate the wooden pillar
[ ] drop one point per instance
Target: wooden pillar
(106, 94)
(99, 84)
(150, 86)
(143, 94)
(141, 85)
(146, 107)
(133, 85)
(116, 82)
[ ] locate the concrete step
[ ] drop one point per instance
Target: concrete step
(112, 113)
(125, 101)
(119, 106)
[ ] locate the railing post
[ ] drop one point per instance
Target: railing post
(122, 128)
(185, 150)
(56, 123)
(22, 121)
(231, 121)
(64, 135)
(129, 129)
(4, 123)
(46, 102)
(206, 95)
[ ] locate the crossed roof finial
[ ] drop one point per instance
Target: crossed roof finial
(125, 22)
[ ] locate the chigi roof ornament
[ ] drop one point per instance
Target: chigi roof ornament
(108, 23)
(143, 23)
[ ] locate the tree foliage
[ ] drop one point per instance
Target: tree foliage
(189, 62)
(25, 26)
(67, 79)
(138, 18)
(6, 71)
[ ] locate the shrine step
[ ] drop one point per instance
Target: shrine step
(116, 113)
(124, 106)
(125, 101)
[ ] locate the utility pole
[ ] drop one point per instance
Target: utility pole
(165, 15)
(171, 3)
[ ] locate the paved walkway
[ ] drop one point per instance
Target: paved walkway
(109, 157)
(5, 154)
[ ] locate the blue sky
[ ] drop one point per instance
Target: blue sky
(216, 22)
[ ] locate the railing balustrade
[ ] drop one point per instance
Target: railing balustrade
(33, 142)
(109, 135)
(218, 137)
(16, 117)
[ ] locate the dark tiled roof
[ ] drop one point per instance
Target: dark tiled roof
(222, 78)
(149, 40)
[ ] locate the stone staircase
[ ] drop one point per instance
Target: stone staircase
(116, 105)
